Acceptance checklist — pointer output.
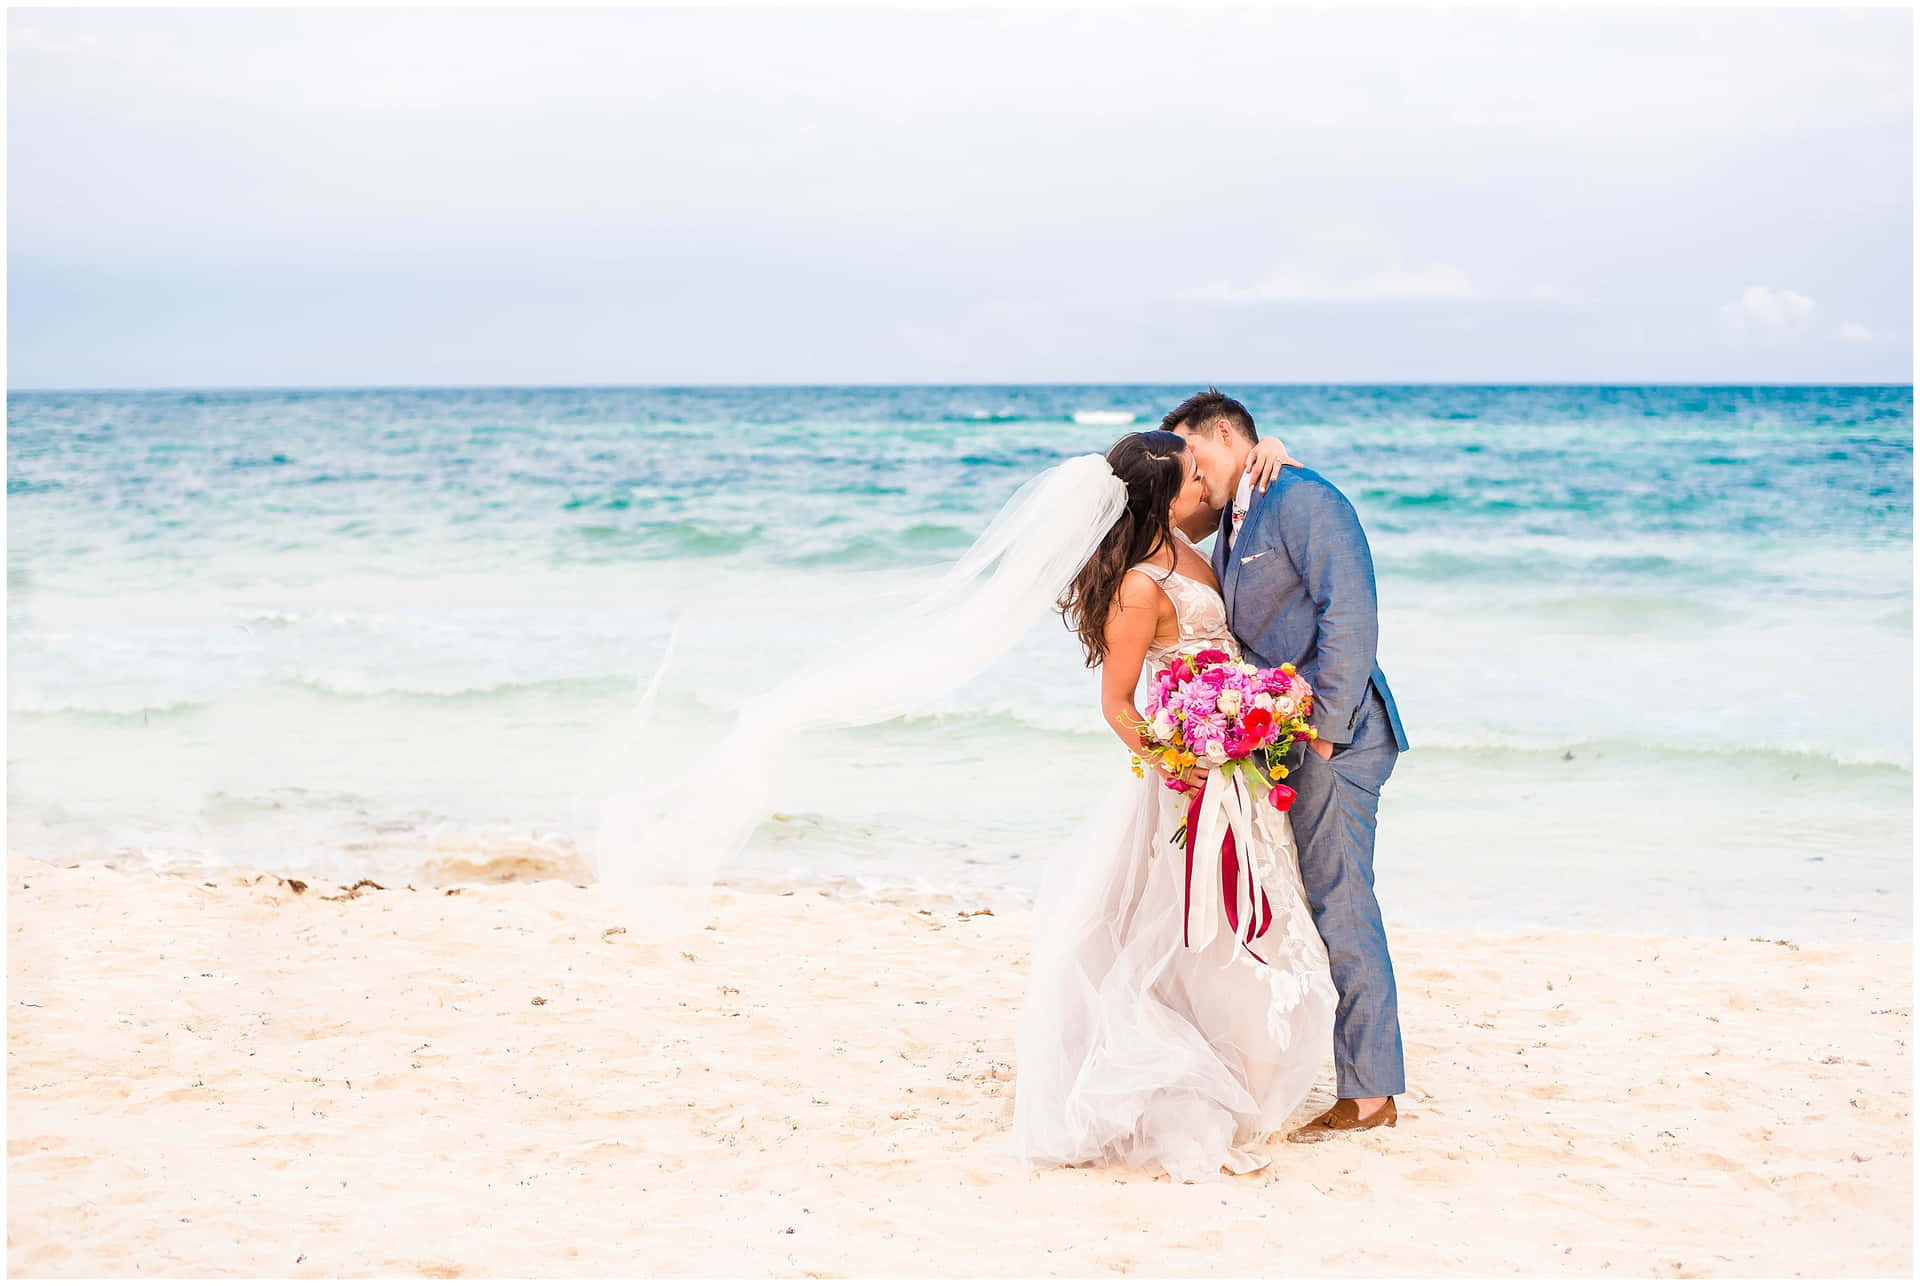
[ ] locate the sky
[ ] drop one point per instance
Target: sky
(224, 198)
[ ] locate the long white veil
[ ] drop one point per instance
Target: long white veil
(666, 833)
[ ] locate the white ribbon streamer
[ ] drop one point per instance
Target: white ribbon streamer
(1226, 807)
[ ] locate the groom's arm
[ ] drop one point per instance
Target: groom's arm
(1322, 535)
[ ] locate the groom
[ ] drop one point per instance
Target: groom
(1297, 578)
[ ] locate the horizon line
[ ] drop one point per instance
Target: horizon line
(926, 384)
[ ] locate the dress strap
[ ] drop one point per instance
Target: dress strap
(1176, 587)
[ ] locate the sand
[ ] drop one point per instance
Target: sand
(216, 1074)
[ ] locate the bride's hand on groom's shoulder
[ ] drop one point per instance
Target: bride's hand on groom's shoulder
(1268, 458)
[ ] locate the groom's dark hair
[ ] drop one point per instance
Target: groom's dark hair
(1205, 408)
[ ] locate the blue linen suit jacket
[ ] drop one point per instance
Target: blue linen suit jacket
(1299, 587)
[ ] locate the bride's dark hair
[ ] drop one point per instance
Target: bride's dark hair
(1153, 465)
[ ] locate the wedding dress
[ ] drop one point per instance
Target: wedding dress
(1134, 1048)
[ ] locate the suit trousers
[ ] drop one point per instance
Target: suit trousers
(1334, 812)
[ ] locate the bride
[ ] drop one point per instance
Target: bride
(1133, 1047)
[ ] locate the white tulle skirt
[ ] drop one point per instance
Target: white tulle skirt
(1133, 1049)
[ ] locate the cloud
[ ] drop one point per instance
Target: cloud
(1436, 281)
(38, 40)
(1765, 315)
(1854, 332)
(614, 170)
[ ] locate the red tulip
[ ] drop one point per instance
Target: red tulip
(1281, 796)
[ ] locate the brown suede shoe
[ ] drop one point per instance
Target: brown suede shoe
(1343, 1118)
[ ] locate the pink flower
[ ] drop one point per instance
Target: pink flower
(1201, 731)
(1198, 697)
(1212, 656)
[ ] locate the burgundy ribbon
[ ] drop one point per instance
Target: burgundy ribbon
(1230, 875)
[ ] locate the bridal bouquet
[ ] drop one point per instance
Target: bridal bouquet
(1239, 721)
(1209, 709)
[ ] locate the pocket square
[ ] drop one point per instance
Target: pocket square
(1250, 557)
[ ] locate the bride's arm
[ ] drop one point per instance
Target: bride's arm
(1131, 625)
(1268, 457)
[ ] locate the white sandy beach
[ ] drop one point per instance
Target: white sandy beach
(218, 1075)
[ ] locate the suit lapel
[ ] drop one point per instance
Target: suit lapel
(1230, 580)
(1229, 583)
(1226, 567)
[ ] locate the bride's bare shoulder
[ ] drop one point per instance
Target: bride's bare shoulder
(1144, 581)
(1141, 590)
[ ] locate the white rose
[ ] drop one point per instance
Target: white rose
(1286, 706)
(1217, 749)
(1263, 702)
(1230, 703)
(1163, 726)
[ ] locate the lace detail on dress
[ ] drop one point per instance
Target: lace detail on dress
(1200, 609)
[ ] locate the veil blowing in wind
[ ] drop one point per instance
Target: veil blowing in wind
(676, 830)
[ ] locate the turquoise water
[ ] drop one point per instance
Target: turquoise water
(1653, 644)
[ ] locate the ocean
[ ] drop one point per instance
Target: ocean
(1653, 645)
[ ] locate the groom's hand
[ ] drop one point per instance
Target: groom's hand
(1321, 747)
